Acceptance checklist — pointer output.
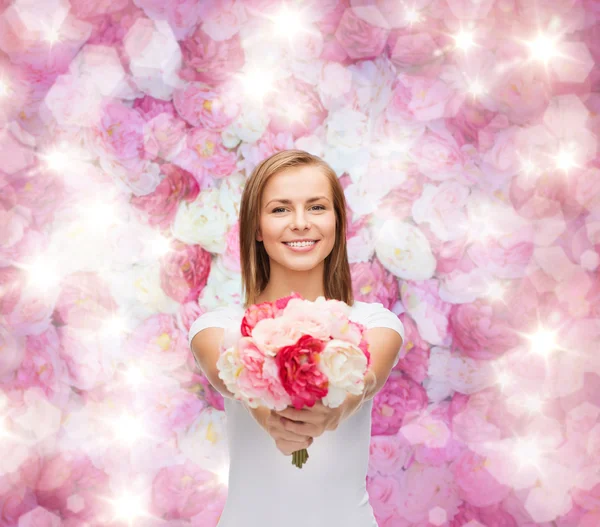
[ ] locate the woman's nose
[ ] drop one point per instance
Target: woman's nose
(300, 219)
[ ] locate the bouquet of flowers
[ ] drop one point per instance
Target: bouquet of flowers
(295, 352)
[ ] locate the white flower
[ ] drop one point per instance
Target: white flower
(460, 373)
(372, 81)
(224, 22)
(404, 250)
(344, 365)
(204, 442)
(250, 124)
(347, 129)
(139, 292)
(229, 365)
(155, 57)
(361, 246)
(203, 222)
(335, 81)
(223, 288)
(443, 208)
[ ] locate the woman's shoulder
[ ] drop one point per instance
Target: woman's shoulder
(217, 317)
(375, 314)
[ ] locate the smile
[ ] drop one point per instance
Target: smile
(302, 247)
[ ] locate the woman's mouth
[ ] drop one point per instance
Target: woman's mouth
(303, 247)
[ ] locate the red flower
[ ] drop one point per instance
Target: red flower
(299, 372)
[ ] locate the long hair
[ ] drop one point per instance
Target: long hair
(254, 260)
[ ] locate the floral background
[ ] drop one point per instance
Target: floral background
(465, 133)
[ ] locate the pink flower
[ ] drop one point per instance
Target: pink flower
(40, 517)
(231, 256)
(260, 376)
(411, 49)
(330, 13)
(372, 283)
(520, 93)
(360, 39)
(254, 314)
(399, 396)
(424, 488)
(438, 155)
(476, 483)
(210, 61)
(184, 271)
(222, 19)
(423, 303)
(478, 331)
(182, 15)
(384, 493)
(188, 313)
(388, 454)
(158, 340)
(149, 107)
(66, 475)
(398, 202)
(299, 371)
(205, 107)
(414, 354)
(120, 132)
(468, 10)
(161, 205)
(16, 149)
(164, 136)
(12, 280)
(184, 490)
(269, 143)
(426, 98)
(40, 366)
(84, 9)
(472, 118)
(306, 100)
(84, 301)
(13, 354)
(205, 148)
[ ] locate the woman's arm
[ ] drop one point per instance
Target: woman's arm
(384, 346)
(205, 347)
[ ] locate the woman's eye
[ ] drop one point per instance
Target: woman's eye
(319, 207)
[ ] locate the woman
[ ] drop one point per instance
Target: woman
(293, 238)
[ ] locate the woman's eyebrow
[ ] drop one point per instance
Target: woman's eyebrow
(287, 201)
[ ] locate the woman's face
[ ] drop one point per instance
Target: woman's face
(298, 218)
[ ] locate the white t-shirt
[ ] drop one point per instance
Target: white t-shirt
(265, 489)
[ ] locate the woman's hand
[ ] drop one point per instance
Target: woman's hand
(287, 441)
(320, 418)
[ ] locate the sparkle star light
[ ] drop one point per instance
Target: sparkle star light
(527, 452)
(288, 23)
(4, 87)
(56, 160)
(543, 341)
(477, 89)
(43, 274)
(464, 40)
(412, 16)
(257, 83)
(543, 48)
(566, 159)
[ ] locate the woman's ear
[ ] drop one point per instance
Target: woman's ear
(258, 236)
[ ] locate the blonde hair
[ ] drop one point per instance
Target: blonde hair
(254, 260)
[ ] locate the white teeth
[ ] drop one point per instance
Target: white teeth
(301, 244)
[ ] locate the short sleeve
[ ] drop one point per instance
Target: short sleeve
(379, 316)
(216, 318)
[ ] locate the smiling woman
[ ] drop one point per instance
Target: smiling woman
(292, 199)
(293, 239)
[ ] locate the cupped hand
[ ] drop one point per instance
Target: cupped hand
(287, 441)
(312, 421)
